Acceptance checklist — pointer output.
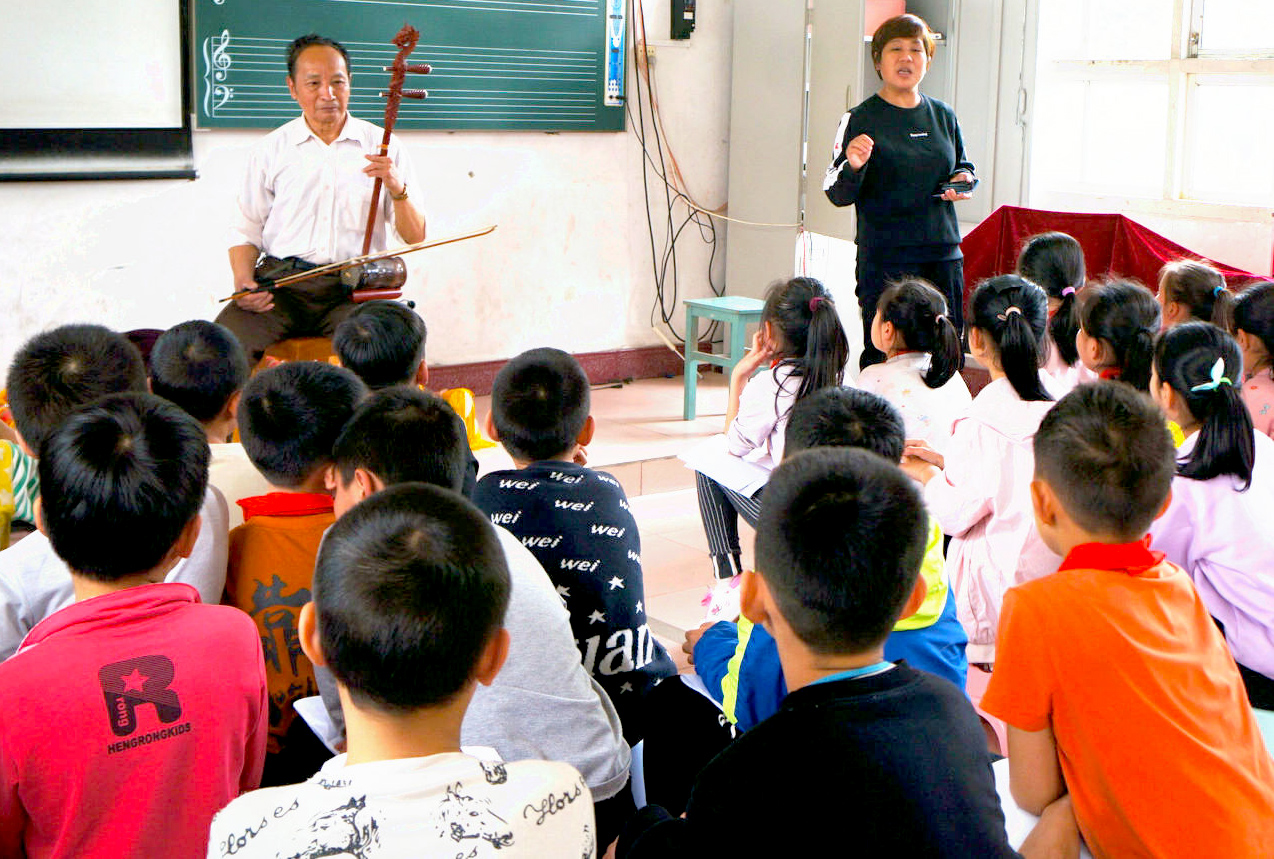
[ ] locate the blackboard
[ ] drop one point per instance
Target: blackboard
(551, 65)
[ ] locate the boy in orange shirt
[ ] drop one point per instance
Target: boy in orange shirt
(289, 418)
(1122, 701)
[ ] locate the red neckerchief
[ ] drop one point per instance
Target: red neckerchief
(1131, 558)
(1109, 373)
(286, 504)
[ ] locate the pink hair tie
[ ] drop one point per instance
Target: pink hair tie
(815, 302)
(1070, 290)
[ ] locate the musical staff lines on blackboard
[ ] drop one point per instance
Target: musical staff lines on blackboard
(555, 69)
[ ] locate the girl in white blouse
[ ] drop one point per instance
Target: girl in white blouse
(920, 375)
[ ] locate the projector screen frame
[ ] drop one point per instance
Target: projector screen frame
(60, 154)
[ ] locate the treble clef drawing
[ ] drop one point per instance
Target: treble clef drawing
(218, 68)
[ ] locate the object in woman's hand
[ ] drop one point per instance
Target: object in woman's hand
(958, 187)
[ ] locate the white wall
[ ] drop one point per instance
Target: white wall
(569, 265)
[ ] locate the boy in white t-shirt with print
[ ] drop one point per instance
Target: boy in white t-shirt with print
(410, 592)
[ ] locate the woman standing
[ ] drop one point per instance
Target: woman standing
(894, 154)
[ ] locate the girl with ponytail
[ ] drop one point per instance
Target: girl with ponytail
(1055, 262)
(1193, 290)
(1215, 526)
(979, 491)
(1118, 320)
(920, 375)
(799, 348)
(1254, 330)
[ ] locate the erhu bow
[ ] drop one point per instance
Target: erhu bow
(379, 275)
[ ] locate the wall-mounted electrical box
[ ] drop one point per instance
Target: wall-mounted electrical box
(683, 18)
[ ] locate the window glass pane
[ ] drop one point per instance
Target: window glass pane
(1238, 26)
(1105, 29)
(1230, 125)
(1125, 136)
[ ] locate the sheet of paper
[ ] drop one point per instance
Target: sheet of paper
(713, 458)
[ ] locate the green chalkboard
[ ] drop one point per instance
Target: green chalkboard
(550, 65)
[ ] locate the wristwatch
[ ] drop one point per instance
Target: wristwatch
(398, 198)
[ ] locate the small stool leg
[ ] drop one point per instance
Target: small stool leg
(691, 380)
(738, 341)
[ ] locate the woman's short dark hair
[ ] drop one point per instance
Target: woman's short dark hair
(901, 27)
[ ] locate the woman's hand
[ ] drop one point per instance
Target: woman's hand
(952, 195)
(858, 150)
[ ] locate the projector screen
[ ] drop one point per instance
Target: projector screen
(93, 89)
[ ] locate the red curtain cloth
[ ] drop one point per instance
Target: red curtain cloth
(1113, 245)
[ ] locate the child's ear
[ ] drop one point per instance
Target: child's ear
(917, 598)
(231, 410)
(586, 434)
(38, 510)
(754, 597)
(489, 425)
(188, 537)
(1044, 502)
(887, 334)
(422, 374)
(368, 483)
(492, 658)
(307, 632)
(22, 443)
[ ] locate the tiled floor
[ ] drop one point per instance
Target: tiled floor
(639, 435)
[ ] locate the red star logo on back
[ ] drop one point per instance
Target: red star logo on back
(134, 681)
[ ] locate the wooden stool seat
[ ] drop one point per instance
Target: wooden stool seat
(298, 349)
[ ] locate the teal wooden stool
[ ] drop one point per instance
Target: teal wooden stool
(733, 310)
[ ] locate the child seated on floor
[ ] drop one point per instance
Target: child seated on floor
(576, 522)
(799, 348)
(383, 343)
(53, 374)
(1215, 528)
(1055, 262)
(182, 729)
(863, 755)
(1191, 290)
(200, 366)
(289, 417)
(543, 704)
(920, 375)
(977, 491)
(410, 593)
(1118, 320)
(1254, 331)
(739, 664)
(1121, 697)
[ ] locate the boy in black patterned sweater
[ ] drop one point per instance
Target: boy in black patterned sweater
(576, 521)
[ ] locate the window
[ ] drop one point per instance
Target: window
(1159, 104)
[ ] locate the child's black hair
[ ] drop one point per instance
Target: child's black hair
(1254, 315)
(813, 343)
(381, 342)
(290, 416)
(1012, 311)
(198, 365)
(409, 587)
(1186, 359)
(1125, 315)
(401, 435)
(1055, 261)
(1106, 452)
(839, 543)
(539, 404)
(119, 480)
(845, 417)
(58, 371)
(918, 313)
(1200, 288)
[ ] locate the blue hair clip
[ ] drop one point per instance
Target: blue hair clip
(1218, 378)
(1217, 290)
